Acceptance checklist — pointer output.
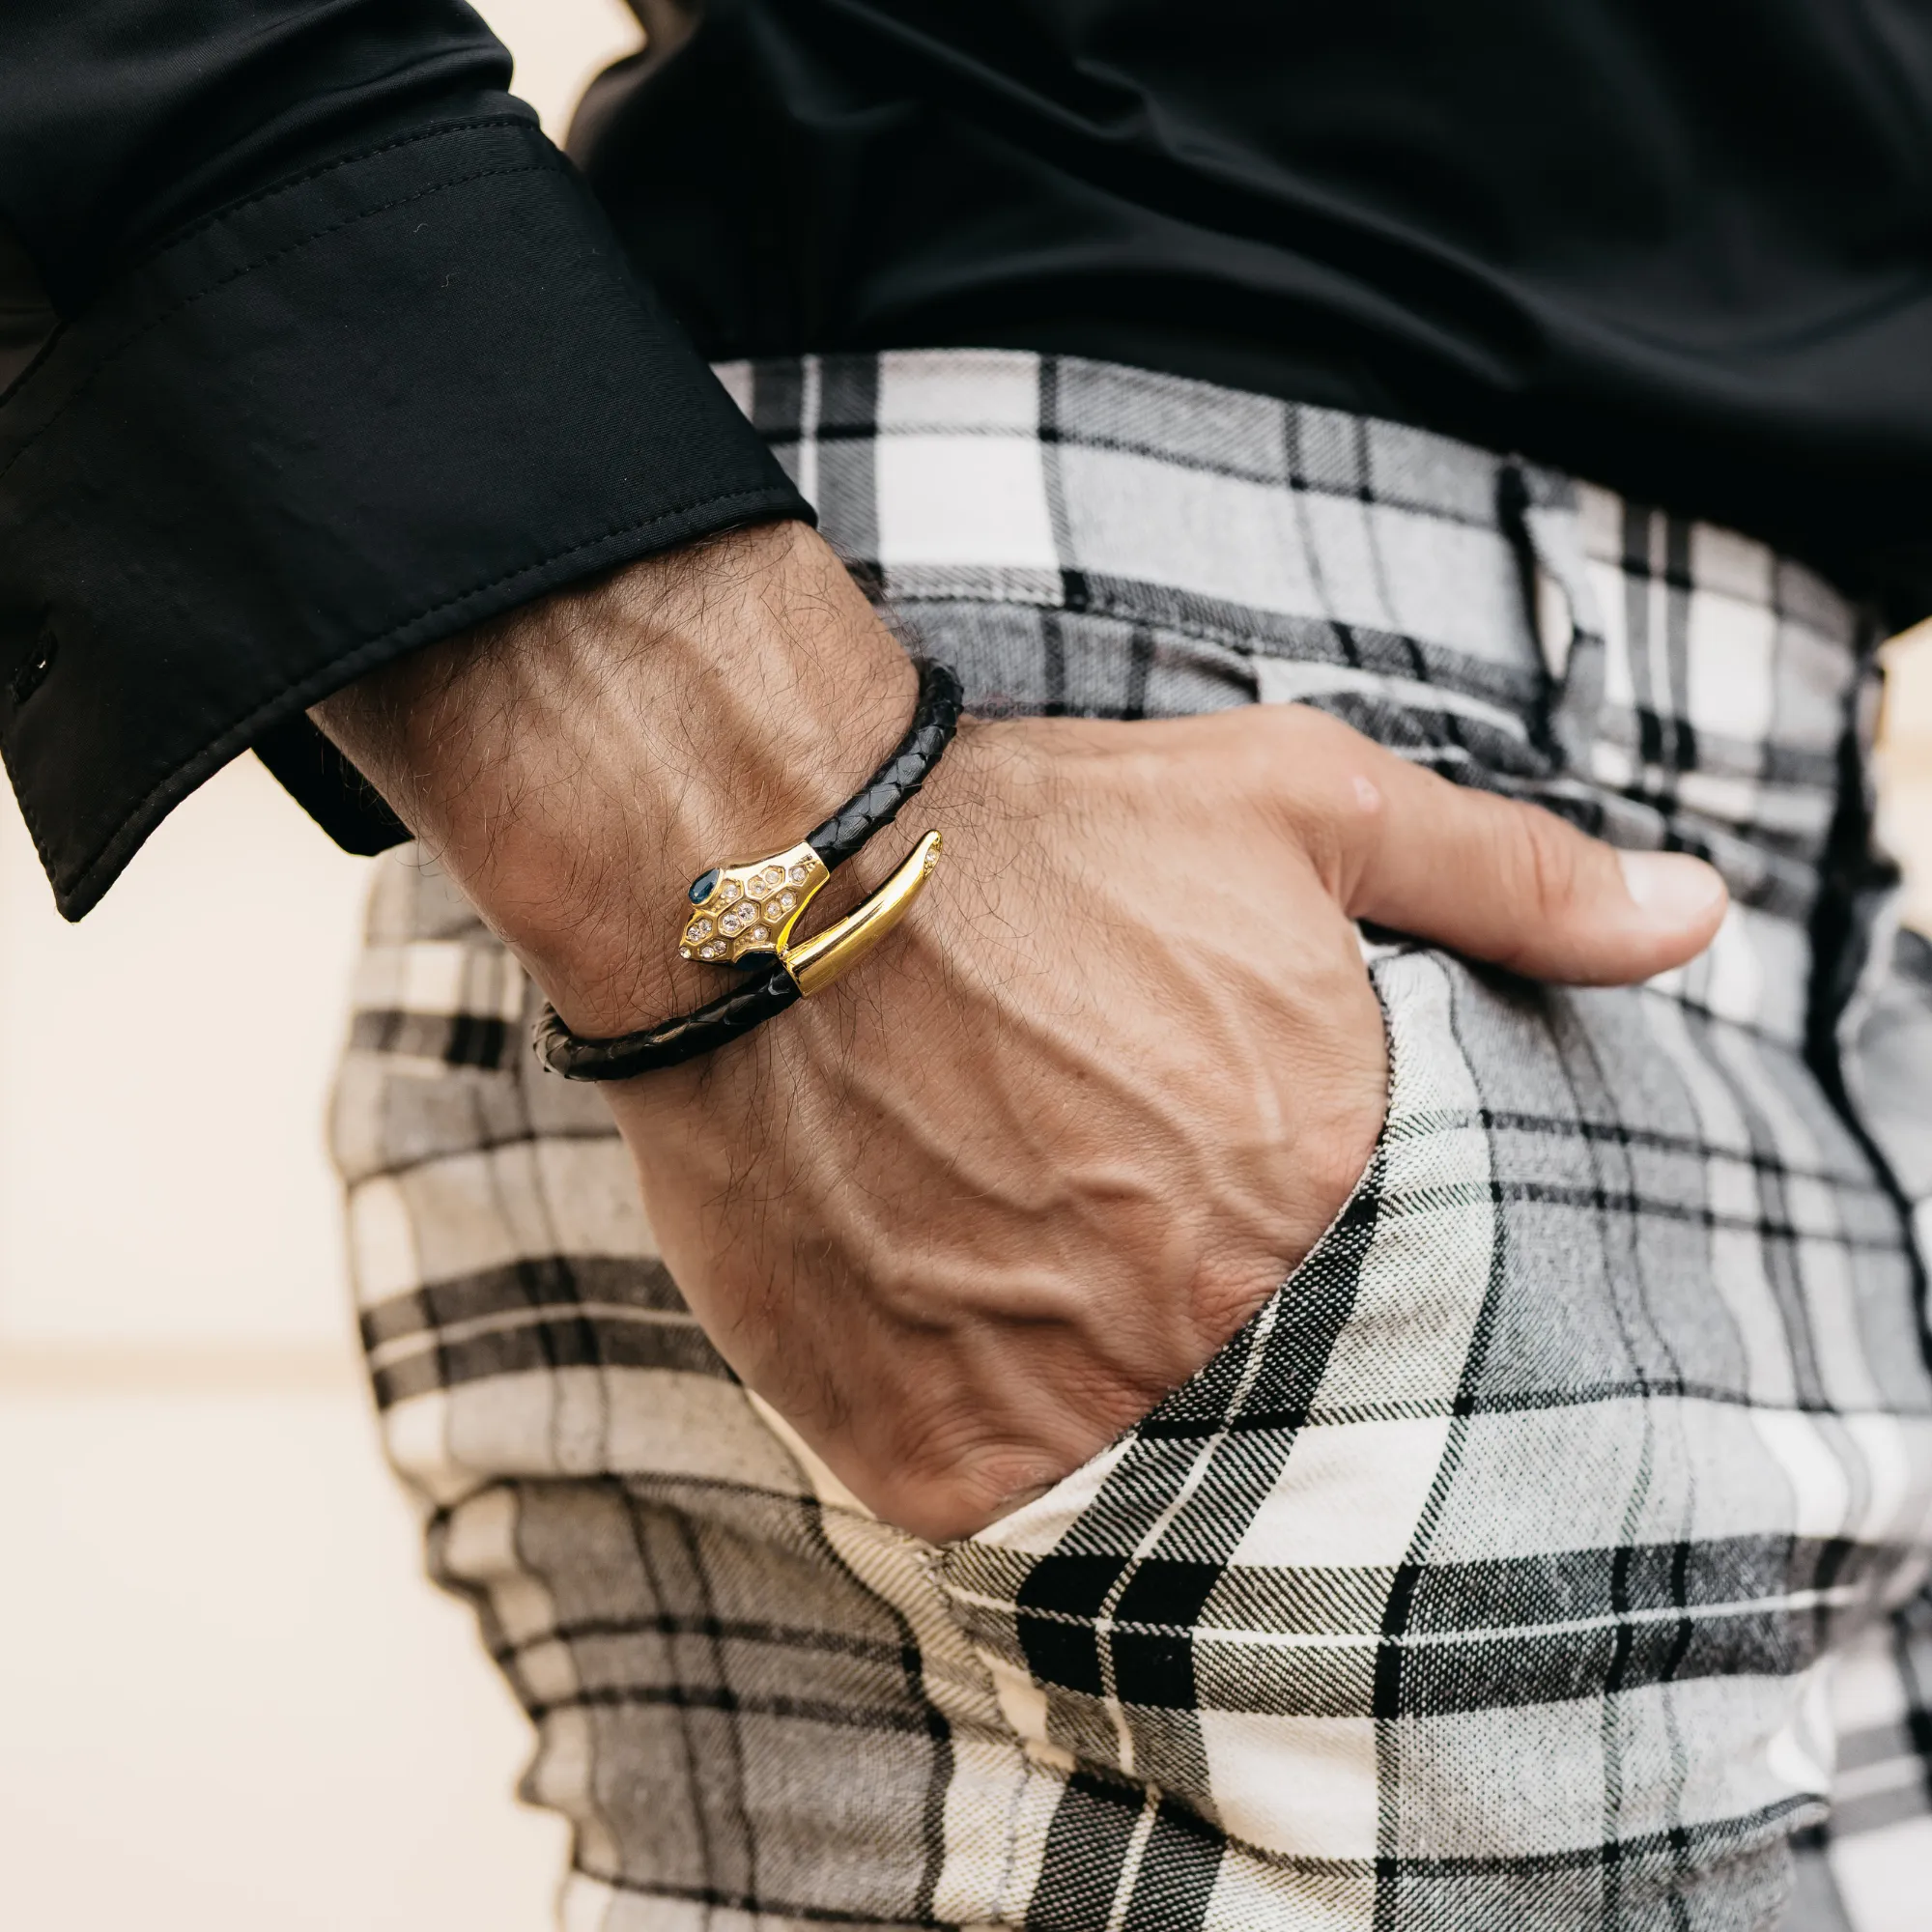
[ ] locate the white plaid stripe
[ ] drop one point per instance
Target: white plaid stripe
(1524, 1562)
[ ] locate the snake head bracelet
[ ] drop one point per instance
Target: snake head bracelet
(745, 910)
(743, 913)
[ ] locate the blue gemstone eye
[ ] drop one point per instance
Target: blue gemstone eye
(701, 887)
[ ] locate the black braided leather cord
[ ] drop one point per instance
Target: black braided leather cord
(700, 1031)
(726, 1018)
(934, 720)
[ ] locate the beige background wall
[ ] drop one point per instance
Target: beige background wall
(1907, 797)
(227, 1700)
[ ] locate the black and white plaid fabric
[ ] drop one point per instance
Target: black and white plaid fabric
(1549, 1552)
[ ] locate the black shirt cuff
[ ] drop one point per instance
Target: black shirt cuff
(365, 409)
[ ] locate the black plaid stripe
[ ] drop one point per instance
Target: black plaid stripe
(456, 1039)
(1497, 1574)
(714, 1635)
(554, 1311)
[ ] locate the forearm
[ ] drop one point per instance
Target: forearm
(575, 764)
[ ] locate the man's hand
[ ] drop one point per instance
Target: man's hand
(967, 1215)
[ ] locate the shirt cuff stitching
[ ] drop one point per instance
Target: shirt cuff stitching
(178, 237)
(240, 273)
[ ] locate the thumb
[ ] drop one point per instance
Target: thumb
(1513, 883)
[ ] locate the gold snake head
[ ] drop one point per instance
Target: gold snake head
(750, 908)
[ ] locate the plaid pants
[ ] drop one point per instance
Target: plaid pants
(1549, 1552)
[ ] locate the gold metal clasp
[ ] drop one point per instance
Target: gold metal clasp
(814, 963)
(753, 908)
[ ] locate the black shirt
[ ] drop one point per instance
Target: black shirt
(350, 361)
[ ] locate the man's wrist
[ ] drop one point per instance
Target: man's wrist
(575, 764)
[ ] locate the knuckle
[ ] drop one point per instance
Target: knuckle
(1315, 791)
(1548, 857)
(1309, 726)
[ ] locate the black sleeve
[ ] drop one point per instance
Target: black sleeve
(347, 361)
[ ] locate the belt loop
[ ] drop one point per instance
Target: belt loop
(1538, 511)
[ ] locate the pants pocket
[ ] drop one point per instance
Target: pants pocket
(1142, 1618)
(1489, 1575)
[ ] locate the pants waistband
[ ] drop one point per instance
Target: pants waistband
(1670, 680)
